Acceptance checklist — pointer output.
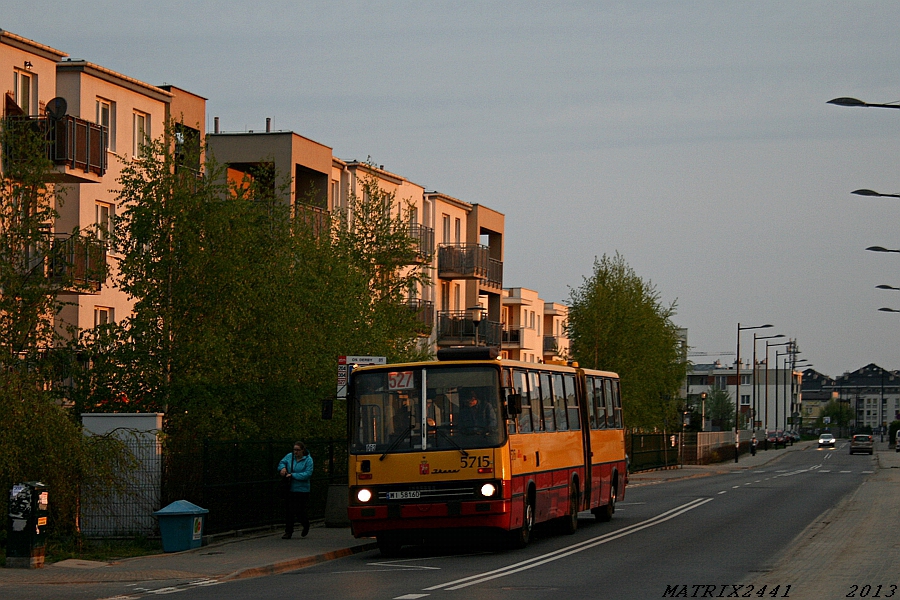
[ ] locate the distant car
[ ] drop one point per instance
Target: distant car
(771, 438)
(897, 441)
(795, 435)
(826, 440)
(780, 439)
(862, 442)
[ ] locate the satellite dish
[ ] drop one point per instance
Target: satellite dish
(56, 108)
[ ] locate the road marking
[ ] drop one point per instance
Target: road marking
(723, 492)
(569, 550)
(825, 471)
(411, 596)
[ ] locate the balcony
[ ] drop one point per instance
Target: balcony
(551, 344)
(424, 237)
(70, 142)
(458, 328)
(78, 263)
(315, 218)
(424, 311)
(512, 338)
(463, 261)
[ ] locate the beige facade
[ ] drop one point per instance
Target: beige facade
(461, 243)
(533, 330)
(106, 116)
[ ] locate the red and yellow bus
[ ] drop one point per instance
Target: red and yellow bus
(469, 441)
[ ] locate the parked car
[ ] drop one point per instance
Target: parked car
(897, 441)
(826, 440)
(771, 438)
(780, 439)
(862, 442)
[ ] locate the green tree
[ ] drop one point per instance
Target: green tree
(720, 409)
(618, 323)
(40, 439)
(243, 303)
(840, 413)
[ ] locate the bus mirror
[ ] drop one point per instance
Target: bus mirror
(514, 404)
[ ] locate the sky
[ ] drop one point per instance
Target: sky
(693, 138)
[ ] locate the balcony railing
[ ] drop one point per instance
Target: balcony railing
(70, 141)
(424, 310)
(551, 344)
(78, 261)
(512, 338)
(457, 328)
(424, 237)
(315, 218)
(495, 274)
(463, 261)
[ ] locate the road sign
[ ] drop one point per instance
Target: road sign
(347, 363)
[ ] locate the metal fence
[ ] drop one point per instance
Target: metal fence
(237, 481)
(663, 450)
(129, 511)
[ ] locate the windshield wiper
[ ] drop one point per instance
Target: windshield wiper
(396, 442)
(452, 442)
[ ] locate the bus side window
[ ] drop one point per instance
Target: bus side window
(559, 402)
(520, 382)
(537, 405)
(617, 404)
(610, 406)
(600, 404)
(589, 402)
(547, 402)
(572, 403)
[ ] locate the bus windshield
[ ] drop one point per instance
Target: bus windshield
(426, 408)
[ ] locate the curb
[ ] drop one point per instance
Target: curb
(297, 563)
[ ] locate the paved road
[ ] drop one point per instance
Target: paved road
(833, 550)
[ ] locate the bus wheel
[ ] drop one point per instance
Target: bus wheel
(389, 545)
(520, 537)
(605, 513)
(570, 521)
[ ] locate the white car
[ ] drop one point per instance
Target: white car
(826, 439)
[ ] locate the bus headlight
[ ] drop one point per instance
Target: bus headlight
(488, 490)
(364, 495)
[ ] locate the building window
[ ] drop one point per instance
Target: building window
(457, 230)
(104, 315)
(105, 219)
(22, 90)
(446, 223)
(746, 379)
(141, 131)
(745, 399)
(106, 116)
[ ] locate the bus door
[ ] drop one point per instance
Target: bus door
(585, 393)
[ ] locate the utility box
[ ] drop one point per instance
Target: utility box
(27, 525)
(181, 526)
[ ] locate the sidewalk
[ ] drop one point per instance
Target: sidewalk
(854, 543)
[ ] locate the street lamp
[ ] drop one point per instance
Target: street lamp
(737, 389)
(885, 309)
(885, 286)
(768, 345)
(476, 314)
(855, 102)
(756, 338)
(865, 192)
(881, 249)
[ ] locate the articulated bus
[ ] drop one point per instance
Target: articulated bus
(473, 442)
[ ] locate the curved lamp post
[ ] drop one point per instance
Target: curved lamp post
(865, 192)
(768, 345)
(756, 338)
(737, 389)
(854, 102)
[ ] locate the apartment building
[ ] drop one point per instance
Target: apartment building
(533, 330)
(95, 120)
(769, 398)
(460, 245)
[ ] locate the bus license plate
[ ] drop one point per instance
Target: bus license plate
(407, 495)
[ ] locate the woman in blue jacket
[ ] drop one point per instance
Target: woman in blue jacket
(298, 466)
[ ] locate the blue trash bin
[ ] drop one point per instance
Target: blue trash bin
(181, 526)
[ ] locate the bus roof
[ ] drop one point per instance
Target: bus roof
(496, 362)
